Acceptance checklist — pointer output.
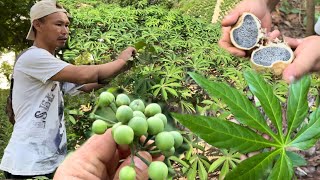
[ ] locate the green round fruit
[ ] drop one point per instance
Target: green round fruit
(139, 125)
(99, 126)
(105, 98)
(158, 170)
(122, 99)
(127, 173)
(178, 139)
(155, 125)
(163, 118)
(123, 134)
(137, 105)
(114, 127)
(164, 141)
(124, 113)
(139, 114)
(169, 152)
(152, 109)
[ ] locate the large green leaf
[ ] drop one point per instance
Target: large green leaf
(283, 169)
(224, 134)
(243, 110)
(253, 168)
(269, 102)
(296, 159)
(309, 132)
(297, 103)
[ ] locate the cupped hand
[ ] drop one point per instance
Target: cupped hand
(307, 57)
(257, 7)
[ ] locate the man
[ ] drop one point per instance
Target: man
(307, 54)
(38, 142)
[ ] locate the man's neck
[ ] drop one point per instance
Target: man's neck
(44, 46)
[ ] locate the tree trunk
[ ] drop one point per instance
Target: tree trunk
(310, 17)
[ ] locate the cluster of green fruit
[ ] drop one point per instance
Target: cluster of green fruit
(133, 120)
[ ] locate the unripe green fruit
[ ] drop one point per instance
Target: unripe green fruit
(139, 125)
(158, 170)
(164, 141)
(99, 126)
(123, 135)
(137, 105)
(178, 139)
(127, 173)
(124, 113)
(114, 127)
(169, 152)
(122, 99)
(152, 109)
(105, 98)
(155, 125)
(163, 118)
(139, 114)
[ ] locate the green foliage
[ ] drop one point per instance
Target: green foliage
(6, 70)
(277, 160)
(201, 9)
(169, 44)
(5, 125)
(14, 24)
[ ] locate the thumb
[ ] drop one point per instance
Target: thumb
(230, 19)
(292, 42)
(295, 70)
(140, 167)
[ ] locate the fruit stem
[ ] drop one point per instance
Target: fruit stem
(143, 159)
(155, 152)
(147, 139)
(113, 107)
(105, 119)
(149, 146)
(132, 155)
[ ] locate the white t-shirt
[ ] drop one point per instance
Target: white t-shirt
(38, 141)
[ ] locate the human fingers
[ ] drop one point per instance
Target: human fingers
(274, 34)
(225, 42)
(231, 18)
(90, 159)
(293, 42)
(140, 167)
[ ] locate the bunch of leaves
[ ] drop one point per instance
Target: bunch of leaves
(289, 130)
(169, 44)
(6, 69)
(200, 9)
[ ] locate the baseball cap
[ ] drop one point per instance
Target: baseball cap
(41, 9)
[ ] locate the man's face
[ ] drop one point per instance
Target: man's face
(55, 29)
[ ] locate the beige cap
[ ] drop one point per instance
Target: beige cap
(41, 9)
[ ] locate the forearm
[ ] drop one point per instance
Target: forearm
(91, 86)
(272, 4)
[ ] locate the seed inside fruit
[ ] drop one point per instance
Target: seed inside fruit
(247, 34)
(268, 55)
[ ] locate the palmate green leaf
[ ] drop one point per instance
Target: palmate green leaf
(243, 110)
(216, 164)
(192, 172)
(224, 170)
(296, 159)
(269, 102)
(253, 167)
(297, 104)
(283, 169)
(224, 134)
(203, 174)
(309, 133)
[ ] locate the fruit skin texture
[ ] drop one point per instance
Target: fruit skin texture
(178, 139)
(105, 98)
(124, 113)
(155, 125)
(163, 118)
(164, 141)
(99, 126)
(169, 152)
(127, 173)
(137, 105)
(158, 170)
(139, 125)
(122, 99)
(114, 127)
(123, 135)
(152, 109)
(139, 114)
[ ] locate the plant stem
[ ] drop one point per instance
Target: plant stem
(143, 159)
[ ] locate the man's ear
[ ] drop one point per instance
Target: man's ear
(37, 25)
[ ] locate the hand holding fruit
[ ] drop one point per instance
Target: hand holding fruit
(127, 54)
(99, 158)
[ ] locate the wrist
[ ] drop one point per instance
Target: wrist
(271, 4)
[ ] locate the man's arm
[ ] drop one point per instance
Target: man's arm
(89, 87)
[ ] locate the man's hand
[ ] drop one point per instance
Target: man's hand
(99, 159)
(259, 8)
(127, 54)
(307, 57)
